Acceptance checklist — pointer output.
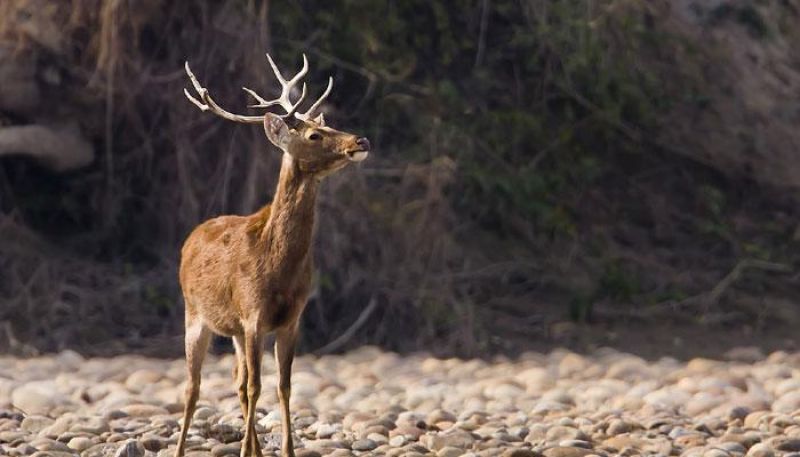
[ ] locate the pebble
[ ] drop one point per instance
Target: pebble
(36, 397)
(760, 450)
(449, 451)
(714, 452)
(44, 444)
(369, 402)
(786, 444)
(93, 426)
(517, 452)
(222, 450)
(326, 430)
(575, 443)
(307, 453)
(566, 452)
(144, 410)
(617, 426)
(35, 424)
(456, 438)
(153, 443)
(130, 448)
(80, 443)
(398, 441)
(100, 450)
(364, 445)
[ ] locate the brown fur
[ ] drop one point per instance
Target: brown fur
(245, 276)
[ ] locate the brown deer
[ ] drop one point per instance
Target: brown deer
(246, 276)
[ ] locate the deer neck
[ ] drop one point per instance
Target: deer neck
(289, 230)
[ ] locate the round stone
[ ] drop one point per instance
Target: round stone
(760, 450)
(364, 445)
(80, 443)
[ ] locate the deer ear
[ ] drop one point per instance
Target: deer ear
(277, 131)
(320, 120)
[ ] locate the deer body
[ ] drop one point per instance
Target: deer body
(258, 266)
(246, 276)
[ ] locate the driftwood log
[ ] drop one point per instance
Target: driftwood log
(31, 126)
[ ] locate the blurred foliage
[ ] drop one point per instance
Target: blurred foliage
(531, 98)
(510, 138)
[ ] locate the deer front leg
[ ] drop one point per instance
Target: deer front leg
(240, 378)
(253, 351)
(240, 372)
(284, 356)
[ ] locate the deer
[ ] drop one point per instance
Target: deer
(244, 277)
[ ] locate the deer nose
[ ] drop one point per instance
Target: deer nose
(363, 143)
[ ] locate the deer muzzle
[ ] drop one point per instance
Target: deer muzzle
(357, 155)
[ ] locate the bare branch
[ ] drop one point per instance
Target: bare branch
(342, 339)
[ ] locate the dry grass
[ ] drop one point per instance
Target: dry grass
(162, 167)
(89, 260)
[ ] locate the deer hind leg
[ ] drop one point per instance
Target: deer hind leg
(198, 336)
(253, 352)
(284, 356)
(240, 377)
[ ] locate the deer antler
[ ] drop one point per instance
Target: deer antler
(206, 103)
(286, 90)
(286, 87)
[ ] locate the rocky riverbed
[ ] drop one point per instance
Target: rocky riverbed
(370, 402)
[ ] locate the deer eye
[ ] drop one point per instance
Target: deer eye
(315, 137)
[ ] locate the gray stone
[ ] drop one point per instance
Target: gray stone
(36, 398)
(567, 452)
(226, 433)
(100, 450)
(307, 453)
(153, 443)
(397, 440)
(93, 426)
(35, 424)
(327, 430)
(453, 438)
(203, 413)
(617, 426)
(45, 444)
(143, 410)
(12, 436)
(364, 445)
(561, 433)
(716, 452)
(449, 451)
(575, 443)
(80, 443)
(518, 452)
(785, 444)
(732, 447)
(760, 450)
(130, 448)
(52, 454)
(222, 450)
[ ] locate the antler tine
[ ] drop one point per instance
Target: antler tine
(299, 74)
(310, 112)
(206, 103)
(261, 101)
(284, 99)
(264, 103)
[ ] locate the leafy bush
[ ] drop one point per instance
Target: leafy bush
(496, 125)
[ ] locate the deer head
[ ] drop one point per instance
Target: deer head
(316, 147)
